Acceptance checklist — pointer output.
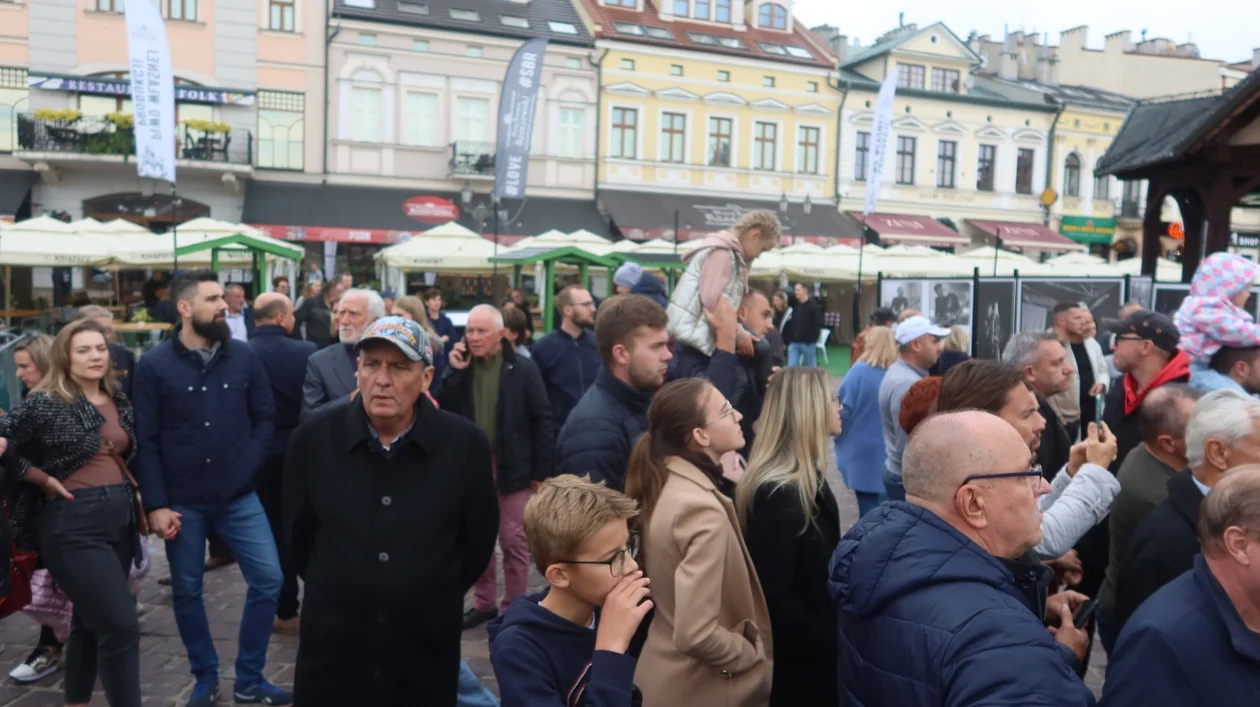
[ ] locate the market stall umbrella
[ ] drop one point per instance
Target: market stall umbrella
(39, 224)
(1008, 263)
(1077, 264)
(449, 248)
(1165, 269)
(585, 240)
(114, 227)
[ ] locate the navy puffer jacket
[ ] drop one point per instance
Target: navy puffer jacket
(597, 438)
(928, 618)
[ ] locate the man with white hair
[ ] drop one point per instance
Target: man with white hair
(1043, 360)
(239, 316)
(1196, 641)
(331, 372)
(1223, 433)
(504, 395)
(960, 589)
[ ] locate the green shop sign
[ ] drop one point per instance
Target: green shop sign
(1085, 229)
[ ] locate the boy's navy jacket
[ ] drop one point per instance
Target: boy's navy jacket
(543, 660)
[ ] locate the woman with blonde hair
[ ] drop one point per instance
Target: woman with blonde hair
(860, 446)
(792, 526)
(709, 643)
(32, 357)
(70, 442)
(954, 352)
(412, 307)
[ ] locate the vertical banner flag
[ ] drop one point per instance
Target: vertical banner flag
(880, 137)
(152, 91)
(517, 105)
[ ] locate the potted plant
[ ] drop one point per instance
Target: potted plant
(207, 126)
(61, 116)
(122, 121)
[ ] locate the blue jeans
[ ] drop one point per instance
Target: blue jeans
(893, 487)
(802, 355)
(868, 501)
(243, 526)
(471, 692)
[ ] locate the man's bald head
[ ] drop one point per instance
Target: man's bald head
(935, 462)
(756, 313)
(272, 308)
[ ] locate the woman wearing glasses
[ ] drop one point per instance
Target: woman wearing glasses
(792, 526)
(1081, 492)
(710, 640)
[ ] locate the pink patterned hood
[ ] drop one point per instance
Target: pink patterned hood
(1208, 319)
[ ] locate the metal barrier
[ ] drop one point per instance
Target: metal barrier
(10, 386)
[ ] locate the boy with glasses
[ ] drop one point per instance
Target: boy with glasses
(568, 644)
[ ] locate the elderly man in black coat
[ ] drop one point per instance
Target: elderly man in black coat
(391, 515)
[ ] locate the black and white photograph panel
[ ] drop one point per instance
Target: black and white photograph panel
(900, 295)
(1140, 290)
(950, 303)
(1037, 299)
(995, 320)
(1168, 297)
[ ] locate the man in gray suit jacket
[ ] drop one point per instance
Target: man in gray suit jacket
(331, 372)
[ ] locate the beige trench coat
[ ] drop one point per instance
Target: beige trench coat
(709, 645)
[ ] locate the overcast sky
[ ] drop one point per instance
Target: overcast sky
(1223, 29)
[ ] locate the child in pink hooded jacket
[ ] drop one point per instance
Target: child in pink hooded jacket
(1212, 316)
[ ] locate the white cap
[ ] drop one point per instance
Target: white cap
(917, 326)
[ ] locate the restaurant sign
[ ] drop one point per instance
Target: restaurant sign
(184, 93)
(430, 209)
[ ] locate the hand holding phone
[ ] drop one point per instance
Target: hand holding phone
(1085, 613)
(460, 357)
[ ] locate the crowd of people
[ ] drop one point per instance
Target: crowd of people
(663, 466)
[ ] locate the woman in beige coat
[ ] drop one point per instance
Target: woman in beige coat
(709, 643)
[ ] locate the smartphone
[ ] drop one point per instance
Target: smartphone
(1085, 613)
(1098, 410)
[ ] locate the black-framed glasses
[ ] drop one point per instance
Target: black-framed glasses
(616, 563)
(1035, 471)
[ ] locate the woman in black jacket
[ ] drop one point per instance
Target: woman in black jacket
(792, 525)
(67, 442)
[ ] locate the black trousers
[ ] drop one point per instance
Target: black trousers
(88, 544)
(270, 493)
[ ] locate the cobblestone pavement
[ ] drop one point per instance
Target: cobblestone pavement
(164, 672)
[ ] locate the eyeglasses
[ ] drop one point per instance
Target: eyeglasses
(616, 563)
(727, 410)
(1035, 471)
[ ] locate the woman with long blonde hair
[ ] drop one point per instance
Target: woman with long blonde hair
(412, 307)
(791, 524)
(70, 442)
(860, 446)
(709, 643)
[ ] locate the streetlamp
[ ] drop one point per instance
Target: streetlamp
(783, 203)
(466, 195)
(807, 206)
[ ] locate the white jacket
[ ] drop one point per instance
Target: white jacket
(1068, 404)
(1074, 505)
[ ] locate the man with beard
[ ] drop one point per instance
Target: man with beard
(1232, 368)
(567, 357)
(630, 333)
(204, 424)
(330, 373)
(1042, 358)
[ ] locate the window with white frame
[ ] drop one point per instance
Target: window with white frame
(905, 160)
(182, 10)
(420, 118)
(365, 114)
(700, 10)
(472, 115)
(722, 10)
(571, 133)
(1102, 188)
(765, 146)
(282, 15)
(673, 137)
(720, 132)
(1072, 175)
(109, 5)
(986, 168)
(861, 156)
(14, 99)
(808, 145)
(281, 129)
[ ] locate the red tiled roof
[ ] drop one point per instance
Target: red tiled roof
(605, 17)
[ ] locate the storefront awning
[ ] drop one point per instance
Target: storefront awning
(1086, 229)
(643, 216)
(350, 214)
(906, 229)
(1031, 236)
(14, 186)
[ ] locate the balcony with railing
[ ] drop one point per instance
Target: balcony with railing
(1130, 208)
(70, 136)
(472, 159)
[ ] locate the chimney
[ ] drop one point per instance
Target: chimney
(1118, 42)
(1008, 66)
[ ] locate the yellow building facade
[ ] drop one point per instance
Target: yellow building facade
(703, 120)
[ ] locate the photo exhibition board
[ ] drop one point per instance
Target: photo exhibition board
(1167, 298)
(1038, 297)
(946, 302)
(996, 316)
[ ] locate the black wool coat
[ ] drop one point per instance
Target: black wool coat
(792, 568)
(388, 543)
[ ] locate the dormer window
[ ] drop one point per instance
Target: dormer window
(772, 17)
(622, 3)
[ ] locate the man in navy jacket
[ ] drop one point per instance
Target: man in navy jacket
(204, 423)
(284, 359)
(567, 357)
(1195, 641)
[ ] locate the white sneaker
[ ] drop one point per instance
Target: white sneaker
(41, 663)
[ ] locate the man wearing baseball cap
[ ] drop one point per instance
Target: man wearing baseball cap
(1146, 354)
(391, 515)
(920, 343)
